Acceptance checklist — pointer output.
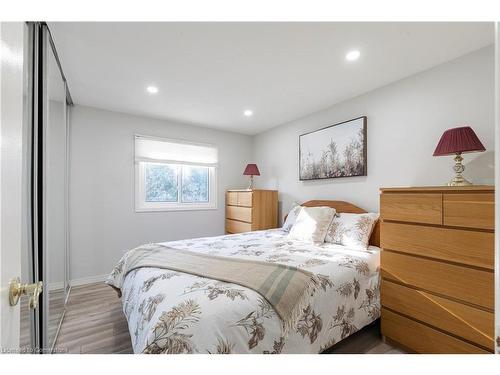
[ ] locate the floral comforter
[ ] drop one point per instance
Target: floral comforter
(174, 312)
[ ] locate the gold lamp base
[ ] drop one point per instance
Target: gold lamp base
(459, 180)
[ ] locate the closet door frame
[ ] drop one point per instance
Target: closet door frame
(45, 46)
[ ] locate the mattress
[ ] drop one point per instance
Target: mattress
(174, 312)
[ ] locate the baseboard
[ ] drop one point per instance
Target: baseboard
(54, 287)
(88, 280)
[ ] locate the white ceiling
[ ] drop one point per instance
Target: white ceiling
(209, 73)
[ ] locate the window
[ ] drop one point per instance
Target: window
(174, 175)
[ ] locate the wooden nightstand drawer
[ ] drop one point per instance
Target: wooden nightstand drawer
(233, 226)
(416, 208)
(462, 320)
(455, 245)
(421, 338)
(469, 210)
(463, 283)
(239, 213)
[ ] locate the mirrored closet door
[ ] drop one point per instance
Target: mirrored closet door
(45, 255)
(55, 187)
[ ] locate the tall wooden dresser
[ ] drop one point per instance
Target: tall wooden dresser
(249, 210)
(437, 265)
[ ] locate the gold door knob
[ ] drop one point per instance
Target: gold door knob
(16, 290)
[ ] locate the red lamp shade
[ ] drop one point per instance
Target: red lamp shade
(251, 170)
(458, 140)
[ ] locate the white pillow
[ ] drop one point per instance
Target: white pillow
(352, 230)
(291, 218)
(312, 224)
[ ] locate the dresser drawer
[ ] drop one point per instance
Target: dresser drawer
(245, 198)
(239, 198)
(463, 283)
(456, 245)
(232, 198)
(233, 226)
(468, 322)
(469, 210)
(421, 338)
(416, 208)
(239, 213)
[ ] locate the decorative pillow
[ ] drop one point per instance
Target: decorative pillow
(352, 230)
(291, 218)
(312, 224)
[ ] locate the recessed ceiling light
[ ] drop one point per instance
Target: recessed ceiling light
(152, 89)
(352, 55)
(248, 112)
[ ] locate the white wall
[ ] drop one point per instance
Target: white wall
(103, 223)
(405, 122)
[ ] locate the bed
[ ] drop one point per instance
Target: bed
(177, 312)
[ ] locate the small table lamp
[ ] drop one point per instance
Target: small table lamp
(251, 170)
(457, 141)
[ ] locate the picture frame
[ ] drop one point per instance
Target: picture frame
(335, 151)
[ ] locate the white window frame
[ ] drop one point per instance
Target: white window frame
(141, 205)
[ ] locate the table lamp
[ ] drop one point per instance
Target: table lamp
(251, 170)
(458, 141)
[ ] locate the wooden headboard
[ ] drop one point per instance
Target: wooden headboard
(347, 207)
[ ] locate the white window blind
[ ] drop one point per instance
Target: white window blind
(149, 149)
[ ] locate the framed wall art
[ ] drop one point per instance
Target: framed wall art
(334, 151)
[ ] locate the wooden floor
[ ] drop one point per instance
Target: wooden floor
(94, 323)
(56, 309)
(365, 341)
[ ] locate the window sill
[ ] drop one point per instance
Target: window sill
(167, 209)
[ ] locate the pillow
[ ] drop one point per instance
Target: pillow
(291, 218)
(312, 224)
(352, 230)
